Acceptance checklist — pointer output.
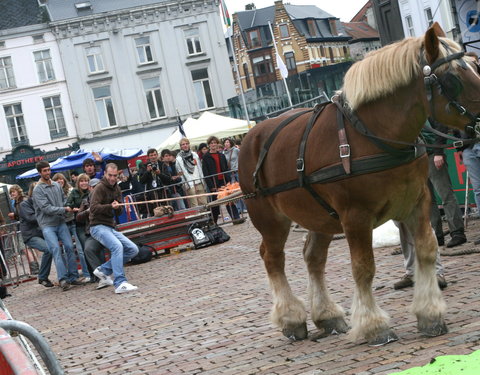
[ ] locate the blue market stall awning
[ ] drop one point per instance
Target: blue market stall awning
(75, 160)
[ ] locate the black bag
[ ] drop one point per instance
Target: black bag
(207, 235)
(217, 235)
(144, 254)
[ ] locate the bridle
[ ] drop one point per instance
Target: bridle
(450, 87)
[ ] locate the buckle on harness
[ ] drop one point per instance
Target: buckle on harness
(300, 165)
(457, 144)
(344, 150)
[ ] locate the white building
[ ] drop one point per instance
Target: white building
(36, 120)
(418, 15)
(130, 66)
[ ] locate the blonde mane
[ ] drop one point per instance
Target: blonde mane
(383, 71)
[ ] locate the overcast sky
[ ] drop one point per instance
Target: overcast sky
(343, 9)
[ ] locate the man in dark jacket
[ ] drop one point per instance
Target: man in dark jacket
(33, 237)
(104, 205)
(94, 250)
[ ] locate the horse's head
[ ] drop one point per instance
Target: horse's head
(452, 82)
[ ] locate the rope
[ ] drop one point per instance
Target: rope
(175, 198)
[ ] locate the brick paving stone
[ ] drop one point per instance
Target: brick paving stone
(207, 312)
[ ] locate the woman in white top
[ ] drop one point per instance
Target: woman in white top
(189, 164)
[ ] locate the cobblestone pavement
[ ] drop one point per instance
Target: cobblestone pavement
(207, 312)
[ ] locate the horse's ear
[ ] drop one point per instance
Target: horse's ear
(432, 43)
(438, 30)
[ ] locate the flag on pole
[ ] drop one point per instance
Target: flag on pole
(180, 126)
(226, 17)
(281, 66)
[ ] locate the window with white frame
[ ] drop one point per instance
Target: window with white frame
(7, 79)
(144, 50)
(154, 97)
(429, 16)
(201, 85)
(284, 30)
(55, 119)
(16, 124)
(43, 60)
(95, 60)
(104, 105)
(192, 38)
(411, 31)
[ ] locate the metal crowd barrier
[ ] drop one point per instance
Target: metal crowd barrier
(164, 192)
(17, 259)
(16, 355)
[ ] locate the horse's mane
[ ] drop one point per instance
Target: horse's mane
(383, 71)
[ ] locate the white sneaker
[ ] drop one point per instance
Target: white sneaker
(106, 279)
(104, 283)
(125, 288)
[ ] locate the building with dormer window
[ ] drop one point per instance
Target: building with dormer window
(306, 37)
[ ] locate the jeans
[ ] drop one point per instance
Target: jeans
(46, 262)
(78, 245)
(471, 159)
(66, 265)
(121, 251)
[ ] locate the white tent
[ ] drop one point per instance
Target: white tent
(208, 124)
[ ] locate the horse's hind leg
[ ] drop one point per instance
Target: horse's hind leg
(326, 314)
(428, 304)
(288, 311)
(368, 320)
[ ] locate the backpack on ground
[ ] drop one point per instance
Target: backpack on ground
(145, 254)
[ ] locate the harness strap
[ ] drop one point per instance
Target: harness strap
(369, 164)
(318, 109)
(268, 143)
(344, 147)
(362, 129)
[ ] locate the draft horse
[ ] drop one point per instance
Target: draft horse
(350, 165)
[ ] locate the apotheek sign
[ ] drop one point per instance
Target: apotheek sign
(26, 157)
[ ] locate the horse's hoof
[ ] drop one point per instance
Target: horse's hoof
(432, 328)
(383, 338)
(333, 326)
(296, 333)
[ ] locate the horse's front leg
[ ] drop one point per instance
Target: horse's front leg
(368, 320)
(288, 311)
(428, 303)
(326, 314)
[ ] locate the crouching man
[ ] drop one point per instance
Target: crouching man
(104, 204)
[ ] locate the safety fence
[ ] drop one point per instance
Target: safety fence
(18, 262)
(182, 195)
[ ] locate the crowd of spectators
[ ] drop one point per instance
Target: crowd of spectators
(66, 221)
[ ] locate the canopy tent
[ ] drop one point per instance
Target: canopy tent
(75, 160)
(208, 124)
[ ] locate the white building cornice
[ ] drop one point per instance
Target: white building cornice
(123, 18)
